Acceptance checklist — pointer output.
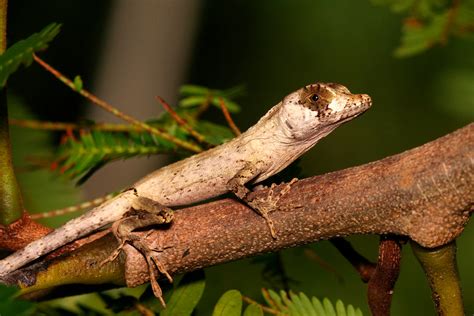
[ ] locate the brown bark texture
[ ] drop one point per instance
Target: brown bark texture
(20, 233)
(382, 282)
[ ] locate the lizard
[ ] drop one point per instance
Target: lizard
(282, 135)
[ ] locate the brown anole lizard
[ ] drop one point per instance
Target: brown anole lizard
(283, 134)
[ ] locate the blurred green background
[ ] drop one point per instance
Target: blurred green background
(274, 47)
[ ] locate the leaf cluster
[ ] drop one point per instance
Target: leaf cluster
(22, 51)
(283, 303)
(430, 23)
(183, 299)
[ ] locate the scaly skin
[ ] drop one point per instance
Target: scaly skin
(288, 130)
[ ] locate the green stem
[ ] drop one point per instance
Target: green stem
(3, 25)
(441, 270)
(11, 207)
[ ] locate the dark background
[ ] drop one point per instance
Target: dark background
(274, 47)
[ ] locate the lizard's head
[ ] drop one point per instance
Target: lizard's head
(320, 107)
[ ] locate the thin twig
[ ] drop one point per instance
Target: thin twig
(61, 126)
(312, 255)
(74, 208)
(363, 266)
(266, 309)
(228, 118)
(199, 137)
(204, 105)
(108, 107)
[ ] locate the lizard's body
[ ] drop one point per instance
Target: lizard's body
(287, 131)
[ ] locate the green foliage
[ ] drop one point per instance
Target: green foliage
(301, 305)
(230, 304)
(181, 299)
(22, 51)
(253, 310)
(186, 296)
(84, 155)
(80, 156)
(11, 306)
(194, 96)
(430, 22)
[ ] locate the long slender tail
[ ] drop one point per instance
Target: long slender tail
(75, 228)
(74, 208)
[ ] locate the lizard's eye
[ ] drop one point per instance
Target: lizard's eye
(314, 97)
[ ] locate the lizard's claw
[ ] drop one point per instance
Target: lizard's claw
(153, 262)
(270, 225)
(113, 255)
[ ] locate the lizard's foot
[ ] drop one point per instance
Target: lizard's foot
(154, 264)
(144, 213)
(264, 206)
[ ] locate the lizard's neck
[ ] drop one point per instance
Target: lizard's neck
(270, 138)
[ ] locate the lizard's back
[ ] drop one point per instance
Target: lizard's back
(201, 176)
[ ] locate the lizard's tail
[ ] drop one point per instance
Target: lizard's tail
(74, 208)
(75, 228)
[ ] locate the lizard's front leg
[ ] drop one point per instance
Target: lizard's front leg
(144, 213)
(263, 206)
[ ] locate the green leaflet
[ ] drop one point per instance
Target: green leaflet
(230, 304)
(22, 51)
(253, 310)
(292, 304)
(195, 96)
(186, 295)
(9, 305)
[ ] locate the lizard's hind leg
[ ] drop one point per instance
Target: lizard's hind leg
(144, 213)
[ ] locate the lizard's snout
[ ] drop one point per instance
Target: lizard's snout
(366, 100)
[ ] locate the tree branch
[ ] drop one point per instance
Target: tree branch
(382, 282)
(426, 193)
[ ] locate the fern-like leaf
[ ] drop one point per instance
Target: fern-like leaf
(95, 148)
(292, 304)
(22, 51)
(79, 158)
